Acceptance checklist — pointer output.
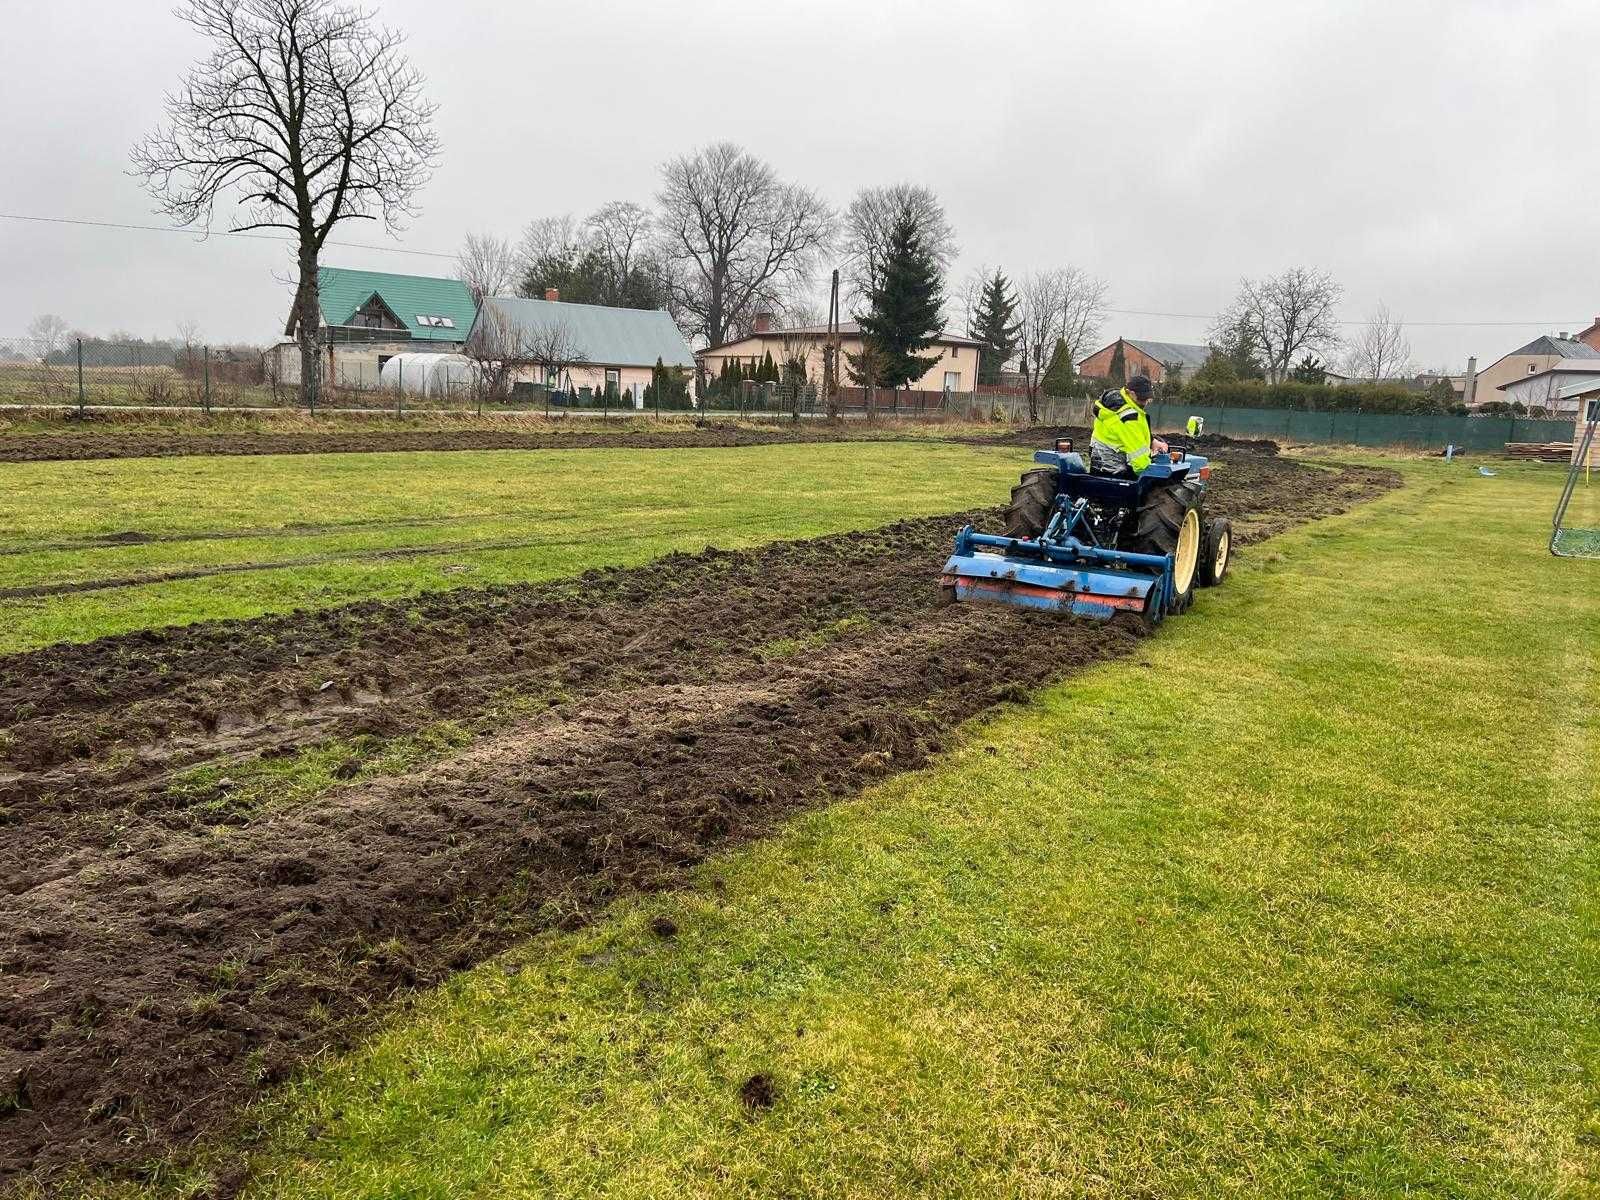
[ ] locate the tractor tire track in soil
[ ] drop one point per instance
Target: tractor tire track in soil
(157, 967)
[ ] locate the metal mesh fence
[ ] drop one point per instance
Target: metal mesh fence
(86, 373)
(69, 372)
(1364, 429)
(93, 373)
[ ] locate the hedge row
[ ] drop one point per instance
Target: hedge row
(1305, 397)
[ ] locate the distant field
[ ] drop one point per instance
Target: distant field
(274, 533)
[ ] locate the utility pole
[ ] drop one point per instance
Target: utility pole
(830, 357)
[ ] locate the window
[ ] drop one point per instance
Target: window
(1532, 368)
(375, 314)
(1594, 410)
(613, 381)
(952, 380)
(434, 322)
(383, 358)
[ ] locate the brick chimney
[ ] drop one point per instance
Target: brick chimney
(552, 293)
(763, 322)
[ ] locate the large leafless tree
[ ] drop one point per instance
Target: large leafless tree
(1061, 306)
(1287, 315)
(1380, 350)
(46, 334)
(549, 240)
(487, 265)
(870, 221)
(620, 233)
(306, 114)
(735, 238)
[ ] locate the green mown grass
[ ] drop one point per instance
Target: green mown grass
(1299, 901)
(566, 510)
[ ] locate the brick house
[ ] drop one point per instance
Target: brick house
(1143, 357)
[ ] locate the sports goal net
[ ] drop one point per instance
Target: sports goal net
(1575, 530)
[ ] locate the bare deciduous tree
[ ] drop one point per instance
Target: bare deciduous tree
(307, 114)
(1063, 305)
(46, 334)
(1381, 350)
(968, 297)
(869, 223)
(487, 265)
(736, 239)
(620, 231)
(547, 240)
(1286, 315)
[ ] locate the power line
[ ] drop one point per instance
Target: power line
(1125, 312)
(1139, 312)
(254, 237)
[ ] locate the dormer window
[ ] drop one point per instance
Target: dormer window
(375, 314)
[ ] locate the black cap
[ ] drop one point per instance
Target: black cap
(1140, 386)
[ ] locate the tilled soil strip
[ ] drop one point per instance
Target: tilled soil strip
(112, 443)
(156, 970)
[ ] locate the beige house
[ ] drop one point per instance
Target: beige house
(1559, 388)
(1538, 355)
(956, 370)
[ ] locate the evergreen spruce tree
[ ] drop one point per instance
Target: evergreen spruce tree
(1239, 346)
(994, 325)
(1057, 378)
(904, 306)
(1310, 369)
(1118, 373)
(1218, 368)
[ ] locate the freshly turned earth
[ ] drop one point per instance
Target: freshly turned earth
(159, 962)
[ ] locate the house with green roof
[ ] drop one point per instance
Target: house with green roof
(609, 349)
(370, 316)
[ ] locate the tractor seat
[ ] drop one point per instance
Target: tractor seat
(1105, 489)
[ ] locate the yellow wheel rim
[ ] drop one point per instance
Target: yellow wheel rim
(1188, 552)
(1224, 547)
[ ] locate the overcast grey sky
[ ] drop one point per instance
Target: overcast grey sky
(1435, 156)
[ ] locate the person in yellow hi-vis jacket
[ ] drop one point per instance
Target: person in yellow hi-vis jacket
(1121, 444)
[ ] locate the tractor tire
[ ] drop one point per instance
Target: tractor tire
(1031, 501)
(1169, 522)
(1217, 551)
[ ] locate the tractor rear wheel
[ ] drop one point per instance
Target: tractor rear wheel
(1217, 552)
(1169, 522)
(1031, 501)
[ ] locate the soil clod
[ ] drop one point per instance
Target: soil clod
(758, 1092)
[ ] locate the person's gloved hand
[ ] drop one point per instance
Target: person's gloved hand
(1159, 445)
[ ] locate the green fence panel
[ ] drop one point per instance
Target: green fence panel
(1431, 430)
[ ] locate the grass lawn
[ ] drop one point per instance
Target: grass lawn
(1299, 902)
(490, 516)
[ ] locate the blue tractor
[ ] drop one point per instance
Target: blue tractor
(1096, 546)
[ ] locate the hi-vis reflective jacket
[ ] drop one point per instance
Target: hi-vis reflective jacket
(1121, 436)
